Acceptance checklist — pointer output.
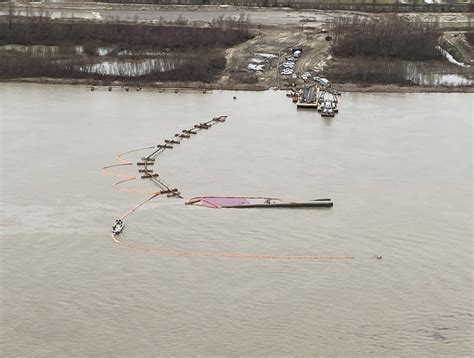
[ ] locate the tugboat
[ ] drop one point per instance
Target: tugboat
(328, 109)
(327, 112)
(118, 227)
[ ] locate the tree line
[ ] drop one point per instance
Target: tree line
(28, 32)
(393, 37)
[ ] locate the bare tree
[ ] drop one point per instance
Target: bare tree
(394, 37)
(11, 13)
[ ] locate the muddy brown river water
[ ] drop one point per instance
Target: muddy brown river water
(397, 166)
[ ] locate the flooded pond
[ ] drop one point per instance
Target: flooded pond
(450, 80)
(107, 61)
(42, 50)
(439, 75)
(131, 68)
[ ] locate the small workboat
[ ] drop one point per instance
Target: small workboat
(327, 112)
(246, 202)
(118, 227)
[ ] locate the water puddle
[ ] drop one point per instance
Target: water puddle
(42, 50)
(141, 53)
(131, 68)
(442, 76)
(439, 79)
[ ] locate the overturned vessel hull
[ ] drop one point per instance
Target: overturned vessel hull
(249, 202)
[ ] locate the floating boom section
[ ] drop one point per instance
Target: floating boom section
(146, 163)
(247, 202)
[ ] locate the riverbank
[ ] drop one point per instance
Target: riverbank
(198, 86)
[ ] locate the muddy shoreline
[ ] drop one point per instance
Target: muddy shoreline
(197, 86)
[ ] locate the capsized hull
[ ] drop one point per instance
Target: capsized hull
(246, 202)
(308, 204)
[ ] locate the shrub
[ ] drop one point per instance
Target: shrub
(394, 37)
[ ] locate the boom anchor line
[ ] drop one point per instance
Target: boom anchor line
(146, 171)
(145, 165)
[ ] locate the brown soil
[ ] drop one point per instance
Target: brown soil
(269, 41)
(277, 41)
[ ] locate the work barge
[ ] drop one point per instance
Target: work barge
(324, 99)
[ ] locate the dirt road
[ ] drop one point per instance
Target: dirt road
(200, 14)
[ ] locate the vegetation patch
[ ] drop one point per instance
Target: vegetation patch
(376, 71)
(47, 32)
(394, 37)
(129, 52)
(470, 37)
(382, 51)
